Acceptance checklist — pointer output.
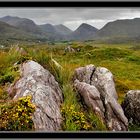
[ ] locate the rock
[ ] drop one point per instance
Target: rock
(131, 106)
(97, 88)
(69, 49)
(84, 74)
(46, 95)
(91, 98)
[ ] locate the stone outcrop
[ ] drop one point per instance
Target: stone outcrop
(97, 88)
(131, 106)
(46, 95)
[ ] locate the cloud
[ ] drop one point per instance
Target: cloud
(72, 17)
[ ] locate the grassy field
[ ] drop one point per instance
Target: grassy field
(123, 60)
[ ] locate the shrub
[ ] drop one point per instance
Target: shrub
(17, 115)
(74, 120)
(81, 120)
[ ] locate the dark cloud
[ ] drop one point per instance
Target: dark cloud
(72, 17)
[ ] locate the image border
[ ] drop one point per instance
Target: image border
(70, 134)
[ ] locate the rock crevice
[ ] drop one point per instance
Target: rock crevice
(97, 88)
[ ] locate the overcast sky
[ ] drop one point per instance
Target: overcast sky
(72, 17)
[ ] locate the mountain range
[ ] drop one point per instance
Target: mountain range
(26, 29)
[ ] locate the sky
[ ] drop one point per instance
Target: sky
(72, 17)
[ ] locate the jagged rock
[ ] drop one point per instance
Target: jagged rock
(131, 106)
(46, 93)
(97, 88)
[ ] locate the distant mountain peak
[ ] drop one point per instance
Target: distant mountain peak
(22, 23)
(84, 32)
(86, 26)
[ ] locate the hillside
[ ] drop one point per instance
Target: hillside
(128, 28)
(24, 24)
(61, 29)
(55, 32)
(10, 32)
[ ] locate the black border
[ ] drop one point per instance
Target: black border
(69, 135)
(69, 4)
(108, 4)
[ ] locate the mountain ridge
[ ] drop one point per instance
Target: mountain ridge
(123, 29)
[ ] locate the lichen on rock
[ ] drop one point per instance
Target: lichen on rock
(46, 95)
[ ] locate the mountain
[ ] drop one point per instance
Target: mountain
(26, 29)
(24, 24)
(55, 32)
(61, 29)
(83, 32)
(48, 28)
(127, 28)
(10, 32)
(52, 33)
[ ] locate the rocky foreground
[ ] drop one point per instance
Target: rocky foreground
(94, 84)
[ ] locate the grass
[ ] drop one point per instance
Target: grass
(123, 60)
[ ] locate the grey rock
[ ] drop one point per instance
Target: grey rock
(91, 98)
(46, 95)
(69, 49)
(97, 88)
(84, 74)
(131, 106)
(103, 78)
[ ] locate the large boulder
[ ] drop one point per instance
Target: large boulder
(46, 95)
(131, 106)
(97, 88)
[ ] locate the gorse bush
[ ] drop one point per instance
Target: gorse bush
(17, 115)
(75, 119)
(80, 120)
